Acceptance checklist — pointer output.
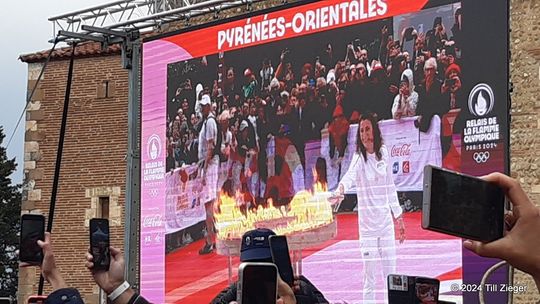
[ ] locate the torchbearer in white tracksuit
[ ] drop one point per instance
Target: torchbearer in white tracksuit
(370, 173)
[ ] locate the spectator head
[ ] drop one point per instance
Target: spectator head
(245, 109)
(407, 82)
(342, 81)
(430, 68)
(284, 96)
(331, 76)
(452, 71)
(256, 246)
(363, 55)
(320, 70)
(419, 43)
(185, 105)
(248, 75)
(361, 71)
(407, 56)
(450, 52)
(253, 109)
(243, 129)
(266, 63)
(394, 49)
(369, 136)
(307, 69)
(437, 23)
(193, 119)
(377, 73)
(230, 75)
(206, 105)
(321, 83)
(223, 120)
(274, 84)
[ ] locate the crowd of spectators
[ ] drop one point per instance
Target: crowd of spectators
(274, 99)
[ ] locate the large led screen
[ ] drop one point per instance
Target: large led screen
(255, 122)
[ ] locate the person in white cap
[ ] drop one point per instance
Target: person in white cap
(198, 91)
(209, 168)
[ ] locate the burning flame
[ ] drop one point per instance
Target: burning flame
(307, 210)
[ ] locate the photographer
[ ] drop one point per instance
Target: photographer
(407, 99)
(452, 86)
(436, 37)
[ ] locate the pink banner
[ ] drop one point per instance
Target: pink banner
(156, 55)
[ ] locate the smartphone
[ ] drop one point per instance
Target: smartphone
(281, 257)
(32, 230)
(462, 205)
(99, 243)
(450, 82)
(426, 290)
(400, 289)
(257, 283)
(36, 299)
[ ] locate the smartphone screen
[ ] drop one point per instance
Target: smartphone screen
(463, 206)
(99, 243)
(400, 289)
(32, 230)
(426, 291)
(281, 257)
(258, 283)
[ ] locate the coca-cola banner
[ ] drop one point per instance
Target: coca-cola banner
(411, 150)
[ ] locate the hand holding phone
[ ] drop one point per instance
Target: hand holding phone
(32, 230)
(99, 243)
(257, 283)
(523, 236)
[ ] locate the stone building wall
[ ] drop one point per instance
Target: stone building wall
(525, 126)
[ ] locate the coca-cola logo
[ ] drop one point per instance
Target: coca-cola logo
(152, 221)
(401, 150)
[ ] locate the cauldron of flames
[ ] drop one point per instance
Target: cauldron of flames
(308, 210)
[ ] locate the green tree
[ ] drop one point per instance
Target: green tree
(10, 214)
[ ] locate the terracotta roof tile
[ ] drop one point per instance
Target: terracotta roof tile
(88, 49)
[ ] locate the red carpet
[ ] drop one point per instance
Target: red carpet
(186, 266)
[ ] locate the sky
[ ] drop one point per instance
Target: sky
(26, 30)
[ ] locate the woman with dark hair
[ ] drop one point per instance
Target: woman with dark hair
(370, 175)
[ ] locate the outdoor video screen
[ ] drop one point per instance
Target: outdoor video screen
(262, 121)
